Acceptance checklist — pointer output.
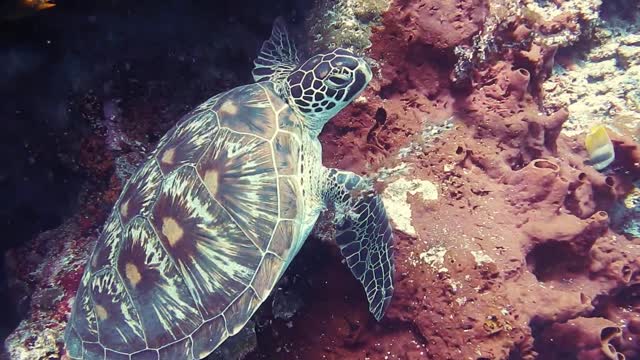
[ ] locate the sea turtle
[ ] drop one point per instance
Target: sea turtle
(209, 223)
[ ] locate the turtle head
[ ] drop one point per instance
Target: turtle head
(320, 87)
(326, 83)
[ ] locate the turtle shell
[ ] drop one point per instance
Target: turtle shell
(199, 235)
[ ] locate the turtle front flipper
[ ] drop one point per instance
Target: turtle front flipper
(277, 57)
(363, 234)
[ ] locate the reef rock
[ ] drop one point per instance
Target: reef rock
(600, 85)
(345, 23)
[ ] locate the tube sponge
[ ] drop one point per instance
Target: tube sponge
(584, 338)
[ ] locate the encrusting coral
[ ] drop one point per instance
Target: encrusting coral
(345, 23)
(600, 84)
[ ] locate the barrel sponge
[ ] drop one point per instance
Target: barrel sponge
(584, 338)
(518, 82)
(537, 185)
(578, 234)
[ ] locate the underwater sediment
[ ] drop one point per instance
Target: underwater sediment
(508, 245)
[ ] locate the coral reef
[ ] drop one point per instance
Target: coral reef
(345, 23)
(527, 29)
(562, 23)
(600, 84)
(45, 275)
(625, 215)
(507, 243)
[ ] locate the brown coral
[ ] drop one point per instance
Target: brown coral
(444, 24)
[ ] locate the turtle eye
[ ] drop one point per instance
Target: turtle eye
(338, 80)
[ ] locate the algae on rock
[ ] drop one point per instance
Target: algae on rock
(545, 24)
(601, 85)
(344, 23)
(583, 15)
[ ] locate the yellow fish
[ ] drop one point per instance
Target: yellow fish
(16, 9)
(599, 147)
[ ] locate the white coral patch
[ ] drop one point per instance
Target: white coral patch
(434, 257)
(395, 200)
(481, 257)
(361, 100)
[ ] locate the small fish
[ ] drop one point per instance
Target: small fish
(16, 9)
(599, 147)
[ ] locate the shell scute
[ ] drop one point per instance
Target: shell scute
(178, 350)
(187, 141)
(208, 337)
(165, 306)
(241, 310)
(289, 190)
(139, 194)
(247, 110)
(112, 355)
(208, 104)
(286, 150)
(145, 355)
(215, 258)
(73, 343)
(267, 275)
(104, 254)
(93, 351)
(289, 121)
(118, 322)
(83, 316)
(285, 232)
(276, 100)
(238, 171)
(204, 108)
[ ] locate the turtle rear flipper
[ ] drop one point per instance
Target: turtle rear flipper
(278, 56)
(364, 235)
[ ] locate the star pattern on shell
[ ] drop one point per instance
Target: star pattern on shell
(199, 235)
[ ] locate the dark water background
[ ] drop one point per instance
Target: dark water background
(192, 48)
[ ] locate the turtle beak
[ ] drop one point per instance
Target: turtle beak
(366, 69)
(362, 76)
